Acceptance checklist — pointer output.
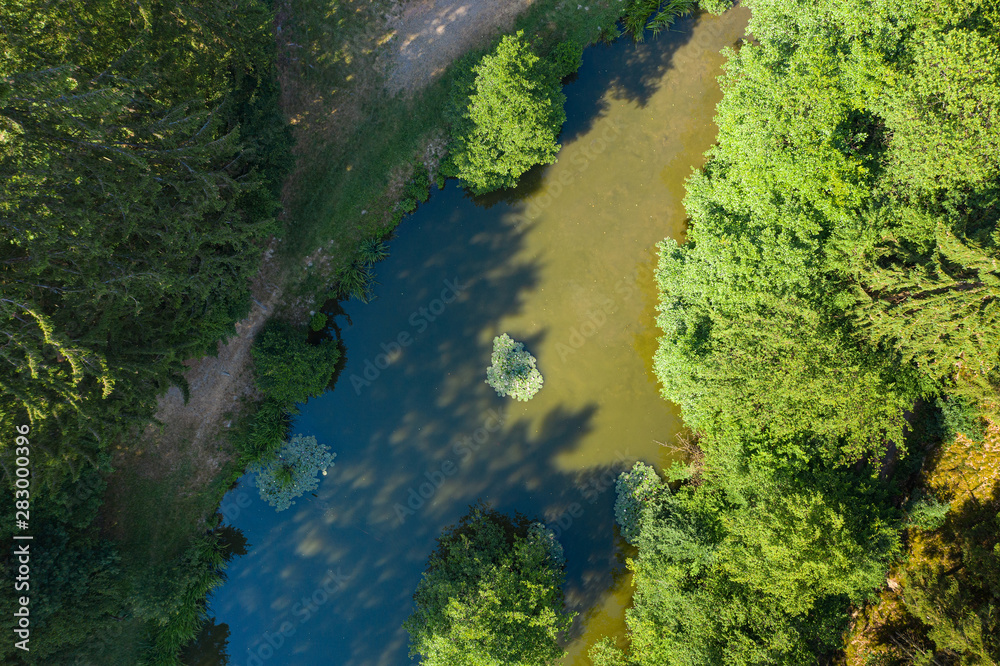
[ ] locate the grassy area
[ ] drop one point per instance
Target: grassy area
(160, 516)
(358, 147)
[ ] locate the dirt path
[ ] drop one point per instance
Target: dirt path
(430, 34)
(216, 385)
(190, 440)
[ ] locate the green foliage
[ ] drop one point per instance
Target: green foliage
(632, 490)
(292, 471)
(372, 251)
(774, 368)
(133, 207)
(318, 322)
(565, 59)
(942, 104)
(955, 597)
(958, 415)
(418, 187)
(507, 119)
(606, 653)
(142, 153)
(715, 6)
(654, 15)
(262, 432)
(357, 280)
(926, 513)
(288, 368)
(512, 370)
(840, 268)
(749, 578)
(174, 599)
(800, 546)
(76, 586)
(491, 595)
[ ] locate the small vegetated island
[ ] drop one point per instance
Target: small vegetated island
(512, 370)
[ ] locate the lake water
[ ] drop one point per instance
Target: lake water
(564, 263)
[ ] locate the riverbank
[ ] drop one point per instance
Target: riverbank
(357, 148)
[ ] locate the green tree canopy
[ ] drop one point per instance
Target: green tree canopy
(141, 158)
(491, 595)
(509, 119)
(289, 369)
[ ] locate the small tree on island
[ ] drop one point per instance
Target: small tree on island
(292, 472)
(512, 371)
(491, 594)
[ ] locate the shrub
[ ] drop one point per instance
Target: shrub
(261, 433)
(633, 489)
(372, 250)
(715, 6)
(318, 322)
(418, 188)
(566, 58)
(292, 471)
(653, 15)
(926, 513)
(960, 415)
(357, 280)
(606, 653)
(510, 121)
(513, 371)
(289, 369)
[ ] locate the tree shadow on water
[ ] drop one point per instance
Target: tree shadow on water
(419, 436)
(625, 70)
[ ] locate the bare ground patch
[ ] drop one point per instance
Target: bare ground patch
(431, 34)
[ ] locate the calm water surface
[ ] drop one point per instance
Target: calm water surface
(564, 264)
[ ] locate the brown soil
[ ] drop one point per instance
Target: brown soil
(187, 436)
(431, 34)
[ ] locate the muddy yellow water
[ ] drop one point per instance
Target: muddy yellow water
(564, 263)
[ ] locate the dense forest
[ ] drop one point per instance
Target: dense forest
(142, 153)
(830, 326)
(831, 330)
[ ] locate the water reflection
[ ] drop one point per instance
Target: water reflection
(564, 264)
